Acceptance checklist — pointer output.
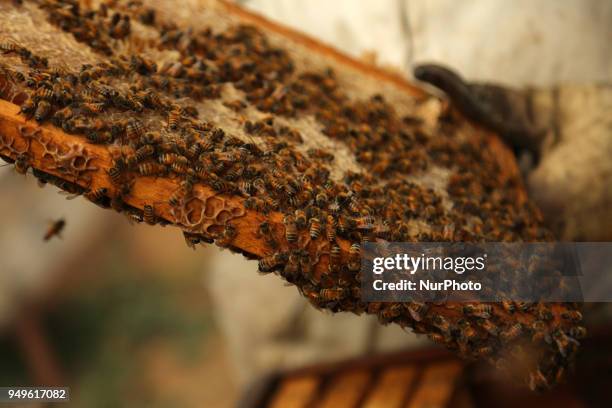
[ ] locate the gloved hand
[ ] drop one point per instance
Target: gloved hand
(568, 132)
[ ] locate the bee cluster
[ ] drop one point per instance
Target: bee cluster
(149, 116)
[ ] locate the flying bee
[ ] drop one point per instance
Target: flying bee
(55, 229)
(332, 295)
(43, 109)
(148, 214)
(512, 332)
(227, 236)
(315, 228)
(290, 229)
(481, 310)
(272, 262)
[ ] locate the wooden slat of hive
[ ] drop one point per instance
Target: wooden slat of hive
(392, 388)
(436, 385)
(345, 390)
(295, 392)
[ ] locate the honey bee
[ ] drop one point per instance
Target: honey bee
(481, 310)
(151, 169)
(565, 344)
(290, 229)
(332, 295)
(578, 332)
(28, 107)
(537, 381)
(167, 158)
(442, 324)
(300, 219)
(390, 312)
(292, 267)
(43, 109)
(489, 327)
(508, 306)
(22, 163)
(572, 315)
(148, 214)
(334, 256)
(245, 187)
(134, 129)
(43, 93)
(227, 236)
(141, 154)
(512, 332)
(191, 239)
(120, 26)
(55, 229)
(176, 197)
(99, 137)
(272, 262)
(236, 105)
(174, 117)
(417, 310)
(94, 107)
(115, 175)
(98, 195)
(354, 263)
(315, 228)
(330, 228)
(265, 231)
(256, 204)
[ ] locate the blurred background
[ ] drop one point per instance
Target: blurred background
(127, 315)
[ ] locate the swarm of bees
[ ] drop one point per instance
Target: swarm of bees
(145, 113)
